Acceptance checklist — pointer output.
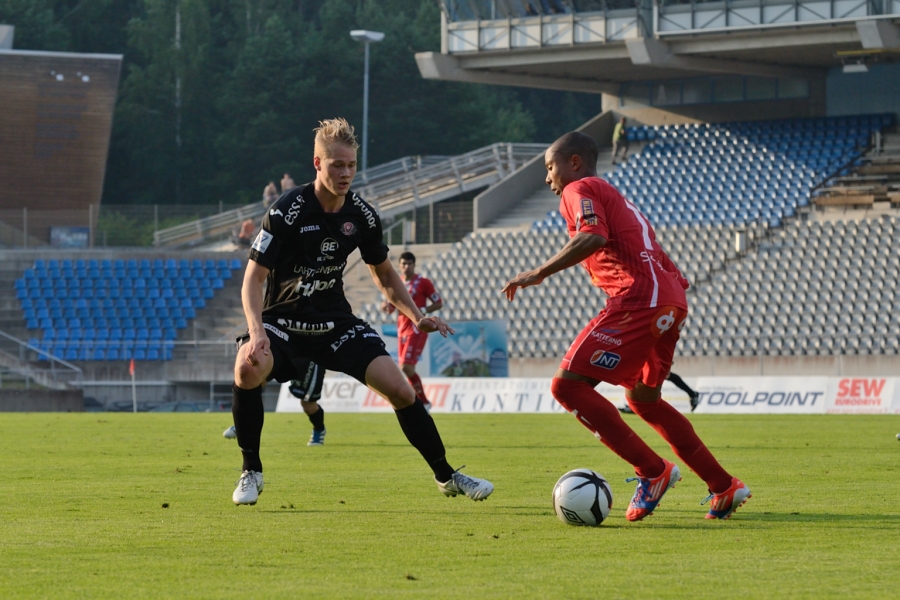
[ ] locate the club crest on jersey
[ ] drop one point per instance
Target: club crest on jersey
(605, 359)
(587, 212)
(348, 228)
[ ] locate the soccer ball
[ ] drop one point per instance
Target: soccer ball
(582, 497)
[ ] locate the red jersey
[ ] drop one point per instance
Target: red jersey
(420, 290)
(631, 268)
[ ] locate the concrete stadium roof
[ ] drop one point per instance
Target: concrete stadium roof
(799, 51)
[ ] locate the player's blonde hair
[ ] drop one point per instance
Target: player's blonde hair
(331, 131)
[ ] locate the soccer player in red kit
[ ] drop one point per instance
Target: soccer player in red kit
(411, 341)
(632, 341)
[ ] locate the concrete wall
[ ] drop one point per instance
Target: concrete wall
(813, 106)
(877, 91)
(708, 366)
(504, 194)
(41, 401)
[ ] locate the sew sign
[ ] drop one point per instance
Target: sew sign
(861, 395)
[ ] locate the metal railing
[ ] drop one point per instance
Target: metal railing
(202, 230)
(396, 167)
(448, 178)
(14, 357)
(393, 188)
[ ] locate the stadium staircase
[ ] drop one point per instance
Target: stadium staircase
(393, 188)
(871, 180)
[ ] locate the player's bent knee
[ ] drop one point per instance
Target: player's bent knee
(644, 393)
(564, 390)
(248, 377)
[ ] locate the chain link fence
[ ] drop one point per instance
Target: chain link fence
(106, 225)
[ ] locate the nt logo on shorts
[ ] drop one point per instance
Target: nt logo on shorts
(605, 359)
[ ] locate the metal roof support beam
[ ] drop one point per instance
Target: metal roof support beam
(656, 53)
(433, 65)
(878, 34)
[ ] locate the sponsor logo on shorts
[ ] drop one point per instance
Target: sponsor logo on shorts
(351, 334)
(663, 321)
(605, 359)
(276, 331)
(262, 241)
(306, 328)
(348, 228)
(606, 339)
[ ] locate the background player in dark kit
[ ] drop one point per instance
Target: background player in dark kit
(308, 390)
(300, 254)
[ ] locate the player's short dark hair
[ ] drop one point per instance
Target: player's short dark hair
(578, 144)
(408, 256)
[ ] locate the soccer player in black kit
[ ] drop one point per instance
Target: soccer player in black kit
(300, 253)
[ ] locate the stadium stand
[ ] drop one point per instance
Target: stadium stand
(736, 173)
(113, 310)
(797, 293)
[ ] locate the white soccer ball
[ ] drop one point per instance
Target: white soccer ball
(582, 497)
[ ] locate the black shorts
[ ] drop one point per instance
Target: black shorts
(335, 341)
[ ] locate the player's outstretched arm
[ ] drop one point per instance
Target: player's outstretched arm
(388, 281)
(576, 250)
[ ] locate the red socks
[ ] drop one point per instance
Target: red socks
(677, 430)
(416, 382)
(602, 418)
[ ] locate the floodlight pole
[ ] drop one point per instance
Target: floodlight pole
(365, 135)
(366, 37)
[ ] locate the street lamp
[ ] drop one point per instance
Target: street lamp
(366, 37)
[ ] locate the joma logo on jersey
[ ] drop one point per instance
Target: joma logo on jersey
(605, 359)
(328, 245)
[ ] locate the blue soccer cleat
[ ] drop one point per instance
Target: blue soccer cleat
(650, 491)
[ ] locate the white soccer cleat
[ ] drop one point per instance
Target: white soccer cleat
(249, 487)
(472, 487)
(230, 433)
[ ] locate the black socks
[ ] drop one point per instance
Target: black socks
(318, 419)
(247, 409)
(422, 433)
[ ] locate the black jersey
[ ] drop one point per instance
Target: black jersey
(306, 251)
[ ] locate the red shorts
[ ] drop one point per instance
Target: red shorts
(410, 346)
(623, 347)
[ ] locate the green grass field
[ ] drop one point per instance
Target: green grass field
(139, 506)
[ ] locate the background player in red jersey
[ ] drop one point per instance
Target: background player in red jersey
(410, 340)
(632, 341)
